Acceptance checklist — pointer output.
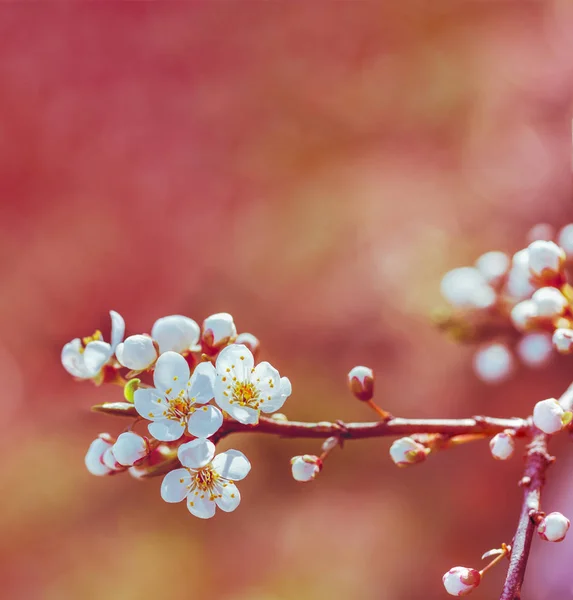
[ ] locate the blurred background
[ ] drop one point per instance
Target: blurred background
(314, 170)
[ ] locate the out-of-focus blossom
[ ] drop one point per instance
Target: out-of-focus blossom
(502, 446)
(542, 231)
(535, 349)
(545, 258)
(407, 451)
(563, 341)
(466, 287)
(176, 333)
(493, 265)
(361, 382)
(523, 315)
(305, 467)
(493, 363)
(549, 302)
(461, 581)
(553, 527)
(565, 239)
(137, 352)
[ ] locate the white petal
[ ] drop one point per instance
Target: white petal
(93, 459)
(149, 403)
(175, 332)
(137, 352)
(166, 430)
(205, 421)
(268, 381)
(238, 359)
(73, 359)
(175, 485)
(229, 498)
(286, 387)
(196, 454)
(129, 448)
(109, 460)
(221, 326)
(201, 505)
(117, 329)
(243, 414)
(232, 464)
(96, 354)
(171, 373)
(201, 384)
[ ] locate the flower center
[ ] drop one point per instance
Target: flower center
(246, 394)
(178, 408)
(95, 337)
(205, 478)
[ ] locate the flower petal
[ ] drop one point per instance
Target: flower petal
(96, 354)
(171, 374)
(149, 403)
(268, 382)
(117, 329)
(94, 455)
(176, 333)
(243, 414)
(201, 506)
(201, 385)
(229, 498)
(175, 485)
(73, 359)
(137, 352)
(166, 430)
(232, 464)
(205, 421)
(239, 361)
(196, 454)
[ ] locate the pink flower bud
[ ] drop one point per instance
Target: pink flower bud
(361, 382)
(549, 302)
(546, 259)
(502, 445)
(461, 581)
(563, 341)
(218, 331)
(523, 315)
(548, 416)
(306, 467)
(519, 285)
(493, 363)
(129, 448)
(553, 527)
(407, 451)
(565, 239)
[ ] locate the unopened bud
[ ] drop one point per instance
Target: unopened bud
(305, 467)
(549, 416)
(461, 581)
(175, 333)
(563, 341)
(466, 287)
(129, 448)
(136, 353)
(407, 451)
(535, 349)
(523, 315)
(553, 527)
(546, 259)
(565, 239)
(250, 341)
(519, 284)
(502, 445)
(493, 363)
(493, 266)
(549, 302)
(110, 461)
(94, 456)
(361, 382)
(218, 331)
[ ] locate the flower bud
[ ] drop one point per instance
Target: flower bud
(502, 445)
(519, 284)
(129, 448)
(110, 461)
(493, 266)
(541, 231)
(461, 581)
(546, 259)
(549, 416)
(137, 352)
(361, 382)
(553, 527)
(563, 341)
(250, 341)
(176, 333)
(329, 444)
(535, 349)
(549, 302)
(523, 315)
(565, 239)
(218, 331)
(407, 451)
(306, 467)
(493, 363)
(466, 288)
(94, 456)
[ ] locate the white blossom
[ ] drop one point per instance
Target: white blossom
(565, 239)
(563, 340)
(206, 481)
(493, 265)
(137, 352)
(178, 401)
(85, 358)
(493, 363)
(549, 302)
(545, 258)
(218, 330)
(466, 287)
(461, 581)
(243, 390)
(523, 315)
(361, 382)
(549, 416)
(94, 459)
(407, 451)
(519, 284)
(306, 467)
(553, 527)
(129, 448)
(502, 445)
(176, 333)
(535, 349)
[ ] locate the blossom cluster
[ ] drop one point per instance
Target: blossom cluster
(199, 377)
(524, 301)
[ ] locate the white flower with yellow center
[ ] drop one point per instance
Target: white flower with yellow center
(206, 481)
(178, 402)
(243, 390)
(85, 358)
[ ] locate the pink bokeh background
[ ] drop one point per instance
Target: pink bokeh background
(314, 170)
